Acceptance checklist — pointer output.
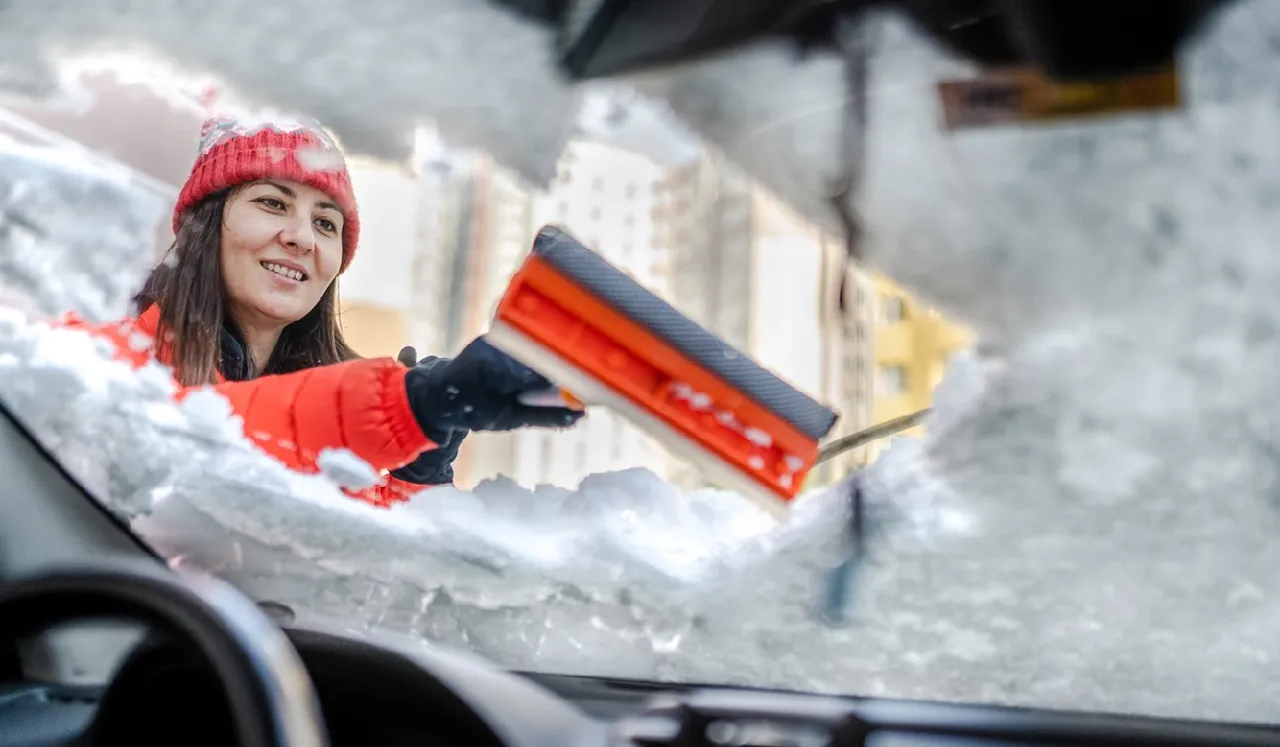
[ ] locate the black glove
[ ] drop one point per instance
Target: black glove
(479, 391)
(433, 466)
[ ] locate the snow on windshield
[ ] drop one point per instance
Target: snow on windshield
(1091, 523)
(71, 237)
(390, 58)
(627, 576)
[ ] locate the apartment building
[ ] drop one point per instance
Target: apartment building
(913, 344)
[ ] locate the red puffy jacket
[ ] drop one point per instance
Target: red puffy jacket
(360, 405)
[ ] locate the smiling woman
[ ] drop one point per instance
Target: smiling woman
(272, 282)
(274, 248)
(260, 196)
(245, 301)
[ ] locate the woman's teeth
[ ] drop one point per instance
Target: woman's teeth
(285, 271)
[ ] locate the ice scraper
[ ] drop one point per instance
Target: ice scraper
(586, 325)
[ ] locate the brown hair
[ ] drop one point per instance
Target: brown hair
(187, 285)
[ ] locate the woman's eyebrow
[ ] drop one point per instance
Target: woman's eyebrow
(290, 193)
(287, 192)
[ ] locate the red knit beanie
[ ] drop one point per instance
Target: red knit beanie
(233, 152)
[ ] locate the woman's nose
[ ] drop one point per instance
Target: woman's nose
(299, 236)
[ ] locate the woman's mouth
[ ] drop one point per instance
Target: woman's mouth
(283, 271)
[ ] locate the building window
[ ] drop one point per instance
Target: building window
(630, 191)
(892, 381)
(595, 213)
(597, 184)
(894, 309)
(629, 220)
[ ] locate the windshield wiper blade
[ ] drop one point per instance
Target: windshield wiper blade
(838, 446)
(841, 580)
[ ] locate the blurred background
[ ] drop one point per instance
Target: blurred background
(445, 230)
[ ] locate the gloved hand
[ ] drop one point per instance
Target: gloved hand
(479, 391)
(434, 466)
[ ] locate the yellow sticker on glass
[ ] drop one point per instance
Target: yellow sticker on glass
(1017, 95)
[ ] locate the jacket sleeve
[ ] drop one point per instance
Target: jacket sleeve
(360, 405)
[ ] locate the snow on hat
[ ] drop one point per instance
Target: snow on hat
(235, 151)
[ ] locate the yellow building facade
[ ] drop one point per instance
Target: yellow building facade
(912, 345)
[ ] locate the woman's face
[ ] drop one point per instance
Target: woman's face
(281, 248)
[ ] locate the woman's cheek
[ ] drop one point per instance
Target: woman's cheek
(331, 260)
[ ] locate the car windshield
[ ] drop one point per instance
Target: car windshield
(1084, 519)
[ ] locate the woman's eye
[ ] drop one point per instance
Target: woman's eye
(326, 225)
(271, 202)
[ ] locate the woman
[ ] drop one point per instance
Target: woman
(245, 301)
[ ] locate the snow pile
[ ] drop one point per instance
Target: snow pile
(370, 72)
(1121, 273)
(346, 470)
(74, 232)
